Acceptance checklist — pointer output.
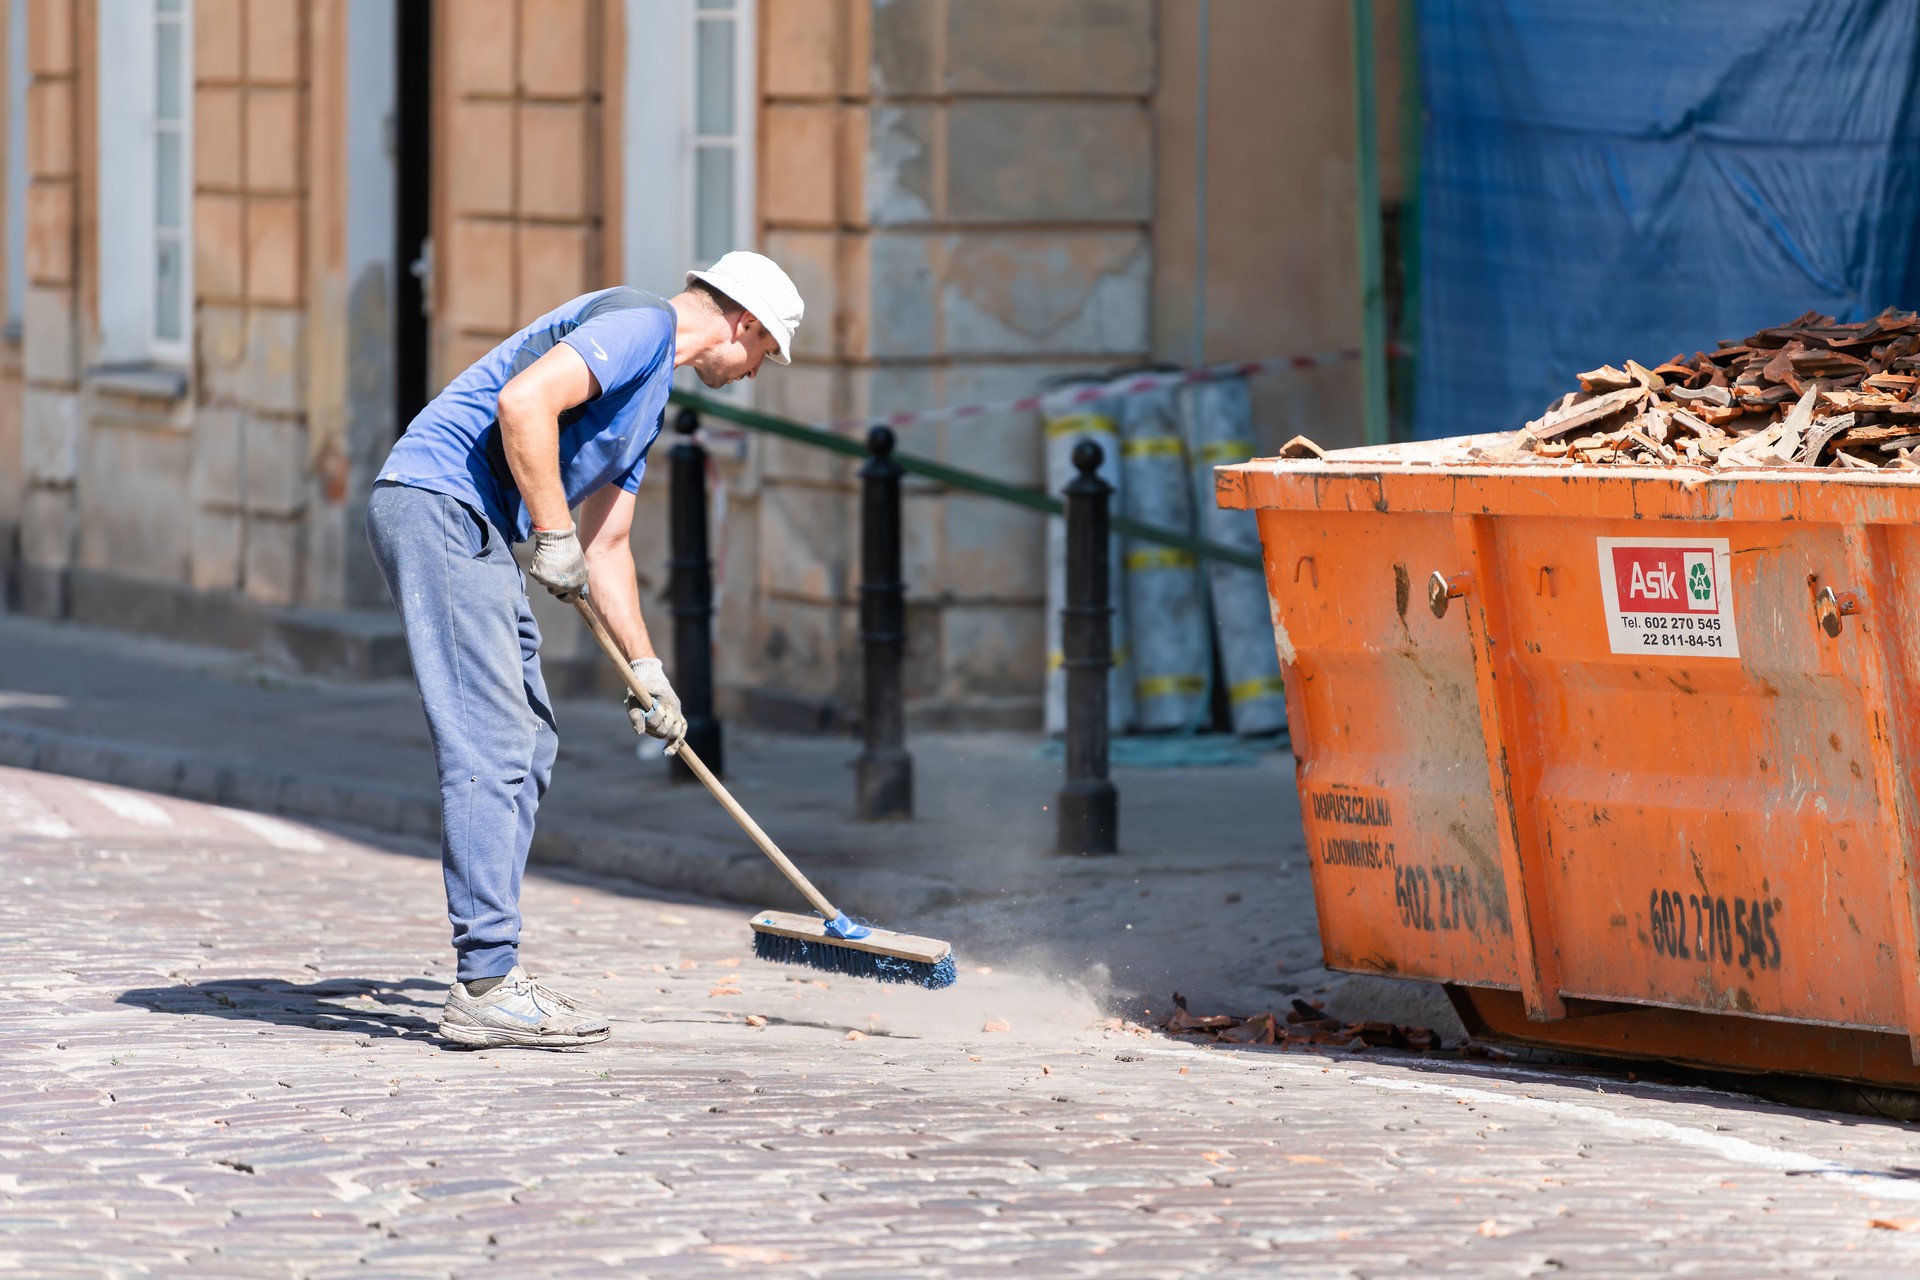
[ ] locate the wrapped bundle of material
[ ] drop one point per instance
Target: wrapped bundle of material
(1216, 417)
(1166, 615)
(1066, 424)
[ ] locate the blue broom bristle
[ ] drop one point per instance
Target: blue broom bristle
(854, 962)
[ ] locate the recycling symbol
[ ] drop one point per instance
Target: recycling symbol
(1700, 582)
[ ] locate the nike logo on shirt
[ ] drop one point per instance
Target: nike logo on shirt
(596, 349)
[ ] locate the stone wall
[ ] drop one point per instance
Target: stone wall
(13, 480)
(975, 196)
(521, 172)
(963, 190)
(50, 401)
(170, 478)
(208, 501)
(251, 449)
(349, 282)
(527, 188)
(195, 500)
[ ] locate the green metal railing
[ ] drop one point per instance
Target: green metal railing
(954, 477)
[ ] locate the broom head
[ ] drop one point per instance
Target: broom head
(786, 938)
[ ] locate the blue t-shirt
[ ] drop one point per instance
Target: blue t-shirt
(454, 447)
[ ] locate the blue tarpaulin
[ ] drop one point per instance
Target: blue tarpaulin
(1636, 178)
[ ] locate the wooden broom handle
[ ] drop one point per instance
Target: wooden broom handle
(700, 770)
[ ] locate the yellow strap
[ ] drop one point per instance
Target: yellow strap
(1159, 686)
(1259, 687)
(1057, 659)
(1153, 447)
(1227, 451)
(1080, 424)
(1158, 558)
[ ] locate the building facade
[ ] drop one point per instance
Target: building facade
(246, 239)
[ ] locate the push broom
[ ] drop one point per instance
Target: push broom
(833, 942)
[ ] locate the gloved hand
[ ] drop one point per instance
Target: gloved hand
(557, 563)
(667, 722)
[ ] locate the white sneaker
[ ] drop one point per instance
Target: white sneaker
(519, 1011)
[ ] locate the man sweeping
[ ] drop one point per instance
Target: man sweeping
(557, 417)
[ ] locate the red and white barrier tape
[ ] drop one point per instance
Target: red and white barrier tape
(1133, 385)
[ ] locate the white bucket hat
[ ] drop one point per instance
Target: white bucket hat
(757, 283)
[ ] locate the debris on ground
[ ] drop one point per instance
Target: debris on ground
(1302, 1024)
(1808, 393)
(1124, 1026)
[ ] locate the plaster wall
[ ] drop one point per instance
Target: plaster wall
(527, 193)
(13, 477)
(1282, 262)
(964, 193)
(975, 196)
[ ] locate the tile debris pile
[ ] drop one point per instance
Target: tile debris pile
(1303, 1024)
(1809, 393)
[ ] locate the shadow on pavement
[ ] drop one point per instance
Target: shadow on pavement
(364, 1007)
(1846, 1102)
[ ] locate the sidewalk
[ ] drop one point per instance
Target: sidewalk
(1209, 895)
(220, 1065)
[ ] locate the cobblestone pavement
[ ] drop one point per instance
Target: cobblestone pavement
(1209, 896)
(216, 1060)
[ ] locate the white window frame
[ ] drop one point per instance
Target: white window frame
(128, 176)
(742, 17)
(659, 138)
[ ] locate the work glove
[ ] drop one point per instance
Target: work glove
(557, 563)
(666, 721)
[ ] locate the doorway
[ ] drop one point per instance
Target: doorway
(413, 186)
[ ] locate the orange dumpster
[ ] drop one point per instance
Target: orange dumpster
(1622, 755)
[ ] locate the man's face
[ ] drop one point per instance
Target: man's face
(739, 358)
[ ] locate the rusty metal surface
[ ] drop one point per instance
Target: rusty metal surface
(1636, 750)
(1710, 1040)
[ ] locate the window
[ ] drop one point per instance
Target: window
(691, 106)
(171, 181)
(146, 180)
(717, 119)
(690, 112)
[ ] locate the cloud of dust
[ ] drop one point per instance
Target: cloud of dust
(1022, 1003)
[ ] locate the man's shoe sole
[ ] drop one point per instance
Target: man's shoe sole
(471, 1037)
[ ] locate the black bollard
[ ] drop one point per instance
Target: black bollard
(884, 774)
(690, 591)
(1089, 807)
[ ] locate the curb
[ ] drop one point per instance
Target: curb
(212, 781)
(691, 865)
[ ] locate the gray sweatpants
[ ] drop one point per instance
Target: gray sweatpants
(476, 656)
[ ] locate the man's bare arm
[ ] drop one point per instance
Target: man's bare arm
(529, 412)
(606, 520)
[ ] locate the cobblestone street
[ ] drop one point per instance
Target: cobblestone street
(219, 1062)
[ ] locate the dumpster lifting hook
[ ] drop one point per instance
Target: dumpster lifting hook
(1441, 589)
(1313, 570)
(1830, 606)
